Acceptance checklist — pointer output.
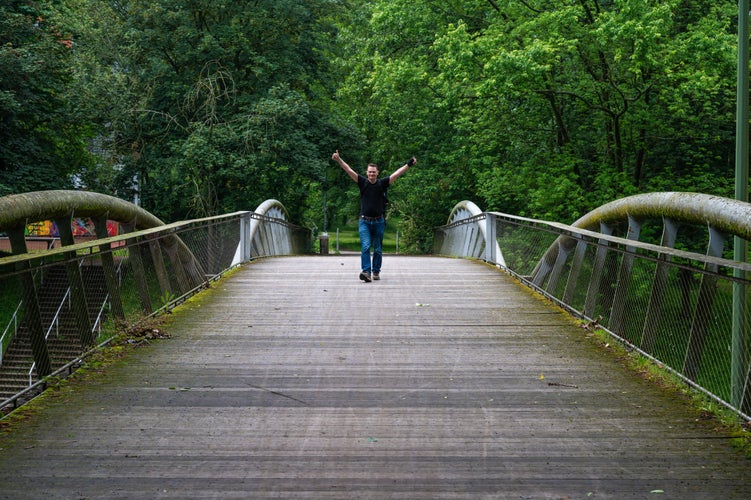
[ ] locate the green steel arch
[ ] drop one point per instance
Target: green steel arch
(721, 216)
(731, 217)
(17, 210)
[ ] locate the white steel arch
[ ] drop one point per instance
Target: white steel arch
(474, 237)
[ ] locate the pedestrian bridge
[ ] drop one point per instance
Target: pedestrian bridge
(450, 377)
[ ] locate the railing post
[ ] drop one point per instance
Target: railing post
(597, 271)
(75, 281)
(245, 237)
(135, 260)
(659, 285)
(740, 248)
(31, 314)
(703, 311)
(617, 315)
(108, 267)
(490, 237)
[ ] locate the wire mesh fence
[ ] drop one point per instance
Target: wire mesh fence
(674, 306)
(59, 304)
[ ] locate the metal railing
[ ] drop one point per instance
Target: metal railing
(160, 268)
(10, 331)
(673, 306)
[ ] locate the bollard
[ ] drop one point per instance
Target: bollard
(324, 239)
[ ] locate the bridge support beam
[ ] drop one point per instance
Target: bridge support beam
(31, 315)
(555, 274)
(573, 275)
(160, 269)
(178, 270)
(598, 269)
(491, 240)
(617, 321)
(110, 271)
(659, 285)
(75, 281)
(703, 312)
(139, 273)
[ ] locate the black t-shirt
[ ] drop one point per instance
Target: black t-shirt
(372, 196)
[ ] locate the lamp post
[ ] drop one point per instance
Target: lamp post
(324, 237)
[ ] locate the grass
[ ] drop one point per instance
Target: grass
(349, 238)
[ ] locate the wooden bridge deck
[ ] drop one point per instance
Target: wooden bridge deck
(443, 380)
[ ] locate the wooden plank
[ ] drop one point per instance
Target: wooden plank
(294, 379)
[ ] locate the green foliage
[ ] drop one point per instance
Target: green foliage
(40, 143)
(226, 90)
(546, 110)
(534, 108)
(200, 107)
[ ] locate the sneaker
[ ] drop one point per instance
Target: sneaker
(376, 276)
(365, 277)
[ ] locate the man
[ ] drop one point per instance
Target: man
(372, 211)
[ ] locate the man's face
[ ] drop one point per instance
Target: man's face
(372, 174)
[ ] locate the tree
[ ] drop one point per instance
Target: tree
(226, 113)
(528, 107)
(546, 109)
(102, 93)
(40, 146)
(391, 94)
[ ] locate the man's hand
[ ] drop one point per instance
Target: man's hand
(411, 161)
(336, 156)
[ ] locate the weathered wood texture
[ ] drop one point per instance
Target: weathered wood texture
(294, 379)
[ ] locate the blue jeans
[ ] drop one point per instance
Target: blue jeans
(371, 235)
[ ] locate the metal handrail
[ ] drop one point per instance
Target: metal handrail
(98, 323)
(56, 319)
(54, 323)
(14, 322)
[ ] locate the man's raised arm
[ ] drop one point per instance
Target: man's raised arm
(402, 169)
(344, 165)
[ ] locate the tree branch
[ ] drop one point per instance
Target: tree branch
(536, 11)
